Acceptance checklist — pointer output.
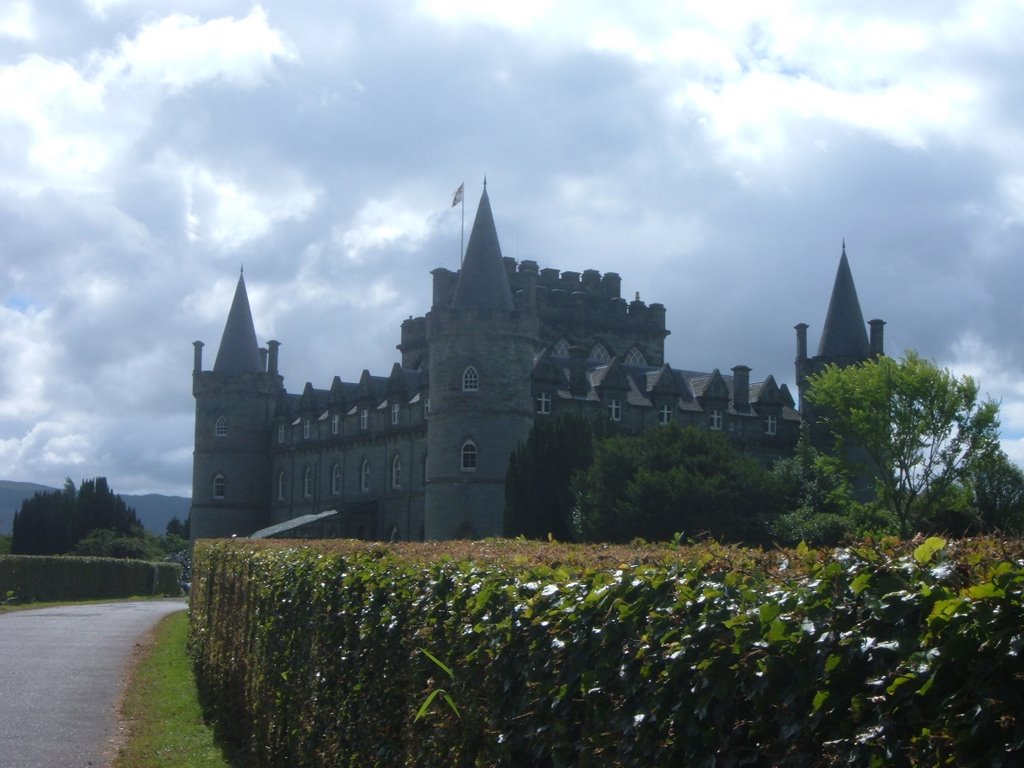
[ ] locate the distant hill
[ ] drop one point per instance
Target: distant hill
(154, 510)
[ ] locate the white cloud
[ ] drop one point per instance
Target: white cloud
(231, 212)
(17, 20)
(380, 224)
(180, 51)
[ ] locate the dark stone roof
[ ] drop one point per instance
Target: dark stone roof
(844, 338)
(239, 352)
(483, 282)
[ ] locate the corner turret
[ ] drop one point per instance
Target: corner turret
(235, 405)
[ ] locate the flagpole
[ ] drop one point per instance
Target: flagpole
(462, 235)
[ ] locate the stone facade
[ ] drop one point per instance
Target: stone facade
(422, 452)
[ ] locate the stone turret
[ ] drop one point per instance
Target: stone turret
(234, 409)
(480, 349)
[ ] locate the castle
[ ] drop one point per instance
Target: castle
(422, 453)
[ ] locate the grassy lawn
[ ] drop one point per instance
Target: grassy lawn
(161, 711)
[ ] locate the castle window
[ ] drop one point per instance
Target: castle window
(335, 479)
(282, 486)
(615, 410)
(470, 380)
(665, 414)
(426, 408)
(635, 357)
(335, 423)
(307, 428)
(307, 484)
(561, 349)
(599, 354)
(364, 418)
(770, 424)
(364, 476)
(543, 403)
(218, 486)
(396, 472)
(280, 433)
(715, 419)
(396, 411)
(220, 429)
(469, 456)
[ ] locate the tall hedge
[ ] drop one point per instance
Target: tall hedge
(31, 578)
(873, 655)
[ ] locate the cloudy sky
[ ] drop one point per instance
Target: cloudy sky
(714, 154)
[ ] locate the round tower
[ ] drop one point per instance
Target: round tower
(234, 408)
(480, 356)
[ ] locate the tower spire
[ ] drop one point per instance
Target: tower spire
(844, 339)
(483, 283)
(239, 351)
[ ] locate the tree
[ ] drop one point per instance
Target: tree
(998, 495)
(539, 499)
(916, 429)
(671, 480)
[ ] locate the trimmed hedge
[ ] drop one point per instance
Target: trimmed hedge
(879, 654)
(30, 578)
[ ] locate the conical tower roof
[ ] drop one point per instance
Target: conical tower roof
(844, 337)
(239, 352)
(483, 283)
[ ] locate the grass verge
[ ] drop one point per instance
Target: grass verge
(163, 720)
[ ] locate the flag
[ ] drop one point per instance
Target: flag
(457, 197)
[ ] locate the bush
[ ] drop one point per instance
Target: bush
(878, 654)
(29, 578)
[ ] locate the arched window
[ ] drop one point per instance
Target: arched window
(470, 380)
(282, 486)
(218, 486)
(336, 480)
(599, 354)
(469, 456)
(364, 476)
(635, 357)
(561, 348)
(396, 472)
(220, 429)
(307, 484)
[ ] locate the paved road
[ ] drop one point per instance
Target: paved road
(60, 676)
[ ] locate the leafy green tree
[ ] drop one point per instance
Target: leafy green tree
(5, 545)
(670, 481)
(916, 429)
(998, 495)
(539, 498)
(104, 542)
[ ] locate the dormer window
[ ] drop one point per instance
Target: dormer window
(470, 380)
(307, 429)
(396, 412)
(220, 429)
(635, 357)
(665, 414)
(770, 425)
(599, 354)
(544, 403)
(280, 434)
(364, 418)
(561, 348)
(335, 423)
(715, 419)
(615, 410)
